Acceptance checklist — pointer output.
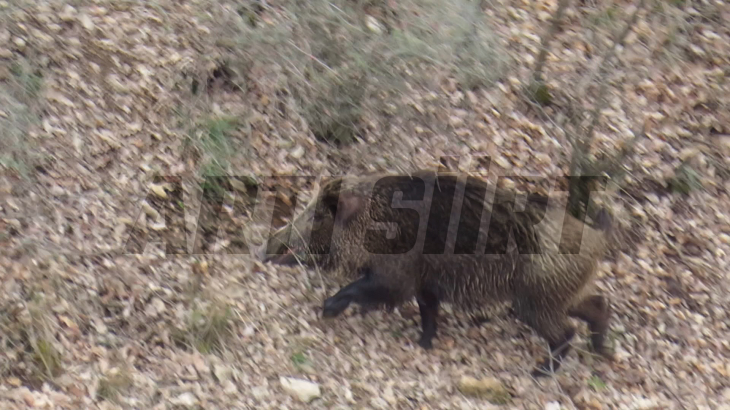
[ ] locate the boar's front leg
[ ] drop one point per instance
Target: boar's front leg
(366, 291)
(428, 305)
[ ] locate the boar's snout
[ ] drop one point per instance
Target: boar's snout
(281, 252)
(281, 257)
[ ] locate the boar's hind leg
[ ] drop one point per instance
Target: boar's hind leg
(558, 332)
(595, 311)
(550, 324)
(366, 291)
(428, 304)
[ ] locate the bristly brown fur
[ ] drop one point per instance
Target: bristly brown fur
(545, 270)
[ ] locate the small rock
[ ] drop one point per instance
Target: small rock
(379, 403)
(86, 22)
(304, 390)
(723, 142)
(125, 221)
(456, 121)
(230, 388)
(543, 158)
(373, 25)
(389, 396)
(155, 307)
(553, 405)
(641, 403)
(502, 162)
(688, 153)
(260, 392)
(448, 343)
(201, 268)
(15, 223)
(506, 183)
(68, 13)
(199, 364)
(5, 53)
(298, 152)
(57, 191)
(222, 373)
(186, 399)
(159, 190)
(100, 327)
(489, 388)
(26, 396)
(696, 50)
(19, 43)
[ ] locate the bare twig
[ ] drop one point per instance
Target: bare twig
(315, 59)
(603, 72)
(546, 39)
(578, 202)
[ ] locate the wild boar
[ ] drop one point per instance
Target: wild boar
(539, 259)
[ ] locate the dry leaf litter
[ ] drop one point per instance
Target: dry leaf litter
(111, 119)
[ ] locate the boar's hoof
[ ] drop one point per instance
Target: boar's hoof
(606, 353)
(287, 259)
(477, 321)
(365, 309)
(426, 343)
(540, 372)
(334, 306)
(544, 370)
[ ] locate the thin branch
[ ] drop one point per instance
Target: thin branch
(546, 39)
(315, 59)
(603, 73)
(579, 163)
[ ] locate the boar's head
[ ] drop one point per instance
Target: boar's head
(322, 232)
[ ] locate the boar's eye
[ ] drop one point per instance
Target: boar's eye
(329, 203)
(332, 209)
(321, 216)
(316, 218)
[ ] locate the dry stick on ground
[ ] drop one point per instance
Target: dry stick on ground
(581, 142)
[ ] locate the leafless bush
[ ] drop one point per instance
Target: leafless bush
(342, 60)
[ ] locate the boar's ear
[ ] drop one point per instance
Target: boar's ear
(351, 205)
(345, 206)
(331, 195)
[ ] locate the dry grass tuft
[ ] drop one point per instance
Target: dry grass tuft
(20, 88)
(206, 329)
(28, 339)
(342, 62)
(116, 383)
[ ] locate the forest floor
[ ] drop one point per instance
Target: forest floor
(96, 100)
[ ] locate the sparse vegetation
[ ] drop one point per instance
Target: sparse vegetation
(97, 98)
(299, 358)
(46, 357)
(685, 180)
(213, 139)
(20, 87)
(111, 386)
(585, 169)
(27, 332)
(342, 64)
(211, 142)
(596, 383)
(206, 329)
